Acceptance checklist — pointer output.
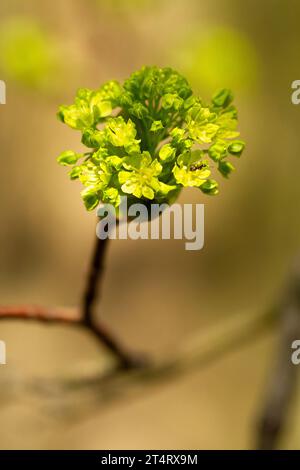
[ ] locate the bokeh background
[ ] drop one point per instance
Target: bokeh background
(156, 295)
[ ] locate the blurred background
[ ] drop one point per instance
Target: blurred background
(156, 295)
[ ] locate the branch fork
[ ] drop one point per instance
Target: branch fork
(83, 317)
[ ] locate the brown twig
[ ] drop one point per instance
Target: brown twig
(38, 313)
(282, 384)
(94, 280)
(90, 297)
(199, 351)
(83, 317)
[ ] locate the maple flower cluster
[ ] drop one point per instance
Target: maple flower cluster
(148, 138)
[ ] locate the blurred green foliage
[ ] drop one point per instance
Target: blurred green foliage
(28, 54)
(221, 57)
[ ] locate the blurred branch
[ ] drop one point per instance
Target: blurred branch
(85, 317)
(283, 381)
(209, 346)
(38, 313)
(202, 350)
(110, 385)
(215, 343)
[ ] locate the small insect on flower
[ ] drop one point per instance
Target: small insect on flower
(198, 166)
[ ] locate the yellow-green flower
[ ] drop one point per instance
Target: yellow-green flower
(149, 138)
(140, 177)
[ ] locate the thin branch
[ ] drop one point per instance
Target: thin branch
(101, 387)
(282, 384)
(91, 296)
(83, 317)
(70, 316)
(94, 280)
(39, 313)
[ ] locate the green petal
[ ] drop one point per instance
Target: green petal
(236, 148)
(218, 150)
(210, 187)
(121, 133)
(124, 176)
(68, 158)
(90, 199)
(156, 168)
(129, 187)
(148, 192)
(156, 126)
(225, 168)
(167, 153)
(111, 195)
(75, 172)
(222, 98)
